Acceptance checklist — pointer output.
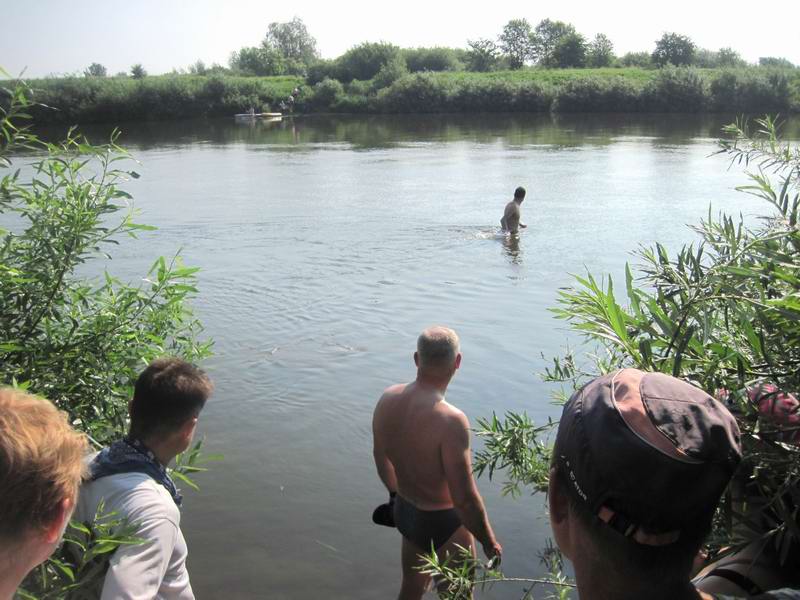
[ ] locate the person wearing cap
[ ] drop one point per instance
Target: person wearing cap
(510, 221)
(41, 467)
(639, 465)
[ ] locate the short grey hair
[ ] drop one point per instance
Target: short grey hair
(437, 348)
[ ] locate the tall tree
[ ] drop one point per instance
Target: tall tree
(545, 38)
(293, 41)
(728, 57)
(138, 72)
(515, 42)
(600, 52)
(258, 60)
(570, 51)
(774, 61)
(482, 55)
(675, 49)
(95, 70)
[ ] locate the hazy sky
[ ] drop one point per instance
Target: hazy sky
(49, 36)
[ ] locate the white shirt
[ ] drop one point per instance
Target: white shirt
(155, 569)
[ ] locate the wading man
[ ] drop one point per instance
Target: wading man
(422, 453)
(511, 215)
(131, 478)
(639, 465)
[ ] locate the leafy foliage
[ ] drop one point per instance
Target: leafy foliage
(774, 61)
(262, 60)
(570, 51)
(78, 567)
(600, 52)
(483, 55)
(516, 43)
(457, 576)
(80, 342)
(546, 38)
(95, 70)
(292, 41)
(138, 72)
(674, 49)
(365, 60)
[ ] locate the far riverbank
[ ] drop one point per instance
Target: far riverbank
(752, 91)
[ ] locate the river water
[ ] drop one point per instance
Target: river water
(327, 244)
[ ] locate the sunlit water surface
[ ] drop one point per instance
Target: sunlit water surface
(326, 245)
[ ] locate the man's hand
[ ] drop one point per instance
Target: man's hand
(493, 550)
(523, 225)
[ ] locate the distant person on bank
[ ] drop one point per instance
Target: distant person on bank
(639, 465)
(511, 215)
(130, 477)
(41, 466)
(422, 453)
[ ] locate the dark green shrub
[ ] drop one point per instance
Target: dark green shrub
(326, 93)
(419, 92)
(751, 91)
(432, 59)
(533, 96)
(358, 88)
(365, 60)
(592, 94)
(677, 89)
(322, 69)
(637, 59)
(389, 73)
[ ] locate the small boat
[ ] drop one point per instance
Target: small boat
(245, 116)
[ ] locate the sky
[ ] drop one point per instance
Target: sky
(44, 37)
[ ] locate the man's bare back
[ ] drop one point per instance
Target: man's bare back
(511, 217)
(415, 425)
(421, 450)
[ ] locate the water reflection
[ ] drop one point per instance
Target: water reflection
(387, 131)
(511, 248)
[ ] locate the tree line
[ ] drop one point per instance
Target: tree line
(290, 49)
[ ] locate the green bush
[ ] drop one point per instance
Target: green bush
(82, 100)
(593, 94)
(677, 89)
(365, 60)
(326, 94)
(389, 73)
(432, 59)
(751, 91)
(419, 92)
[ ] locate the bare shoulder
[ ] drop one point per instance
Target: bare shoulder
(389, 396)
(453, 417)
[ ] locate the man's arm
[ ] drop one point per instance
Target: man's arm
(457, 461)
(136, 571)
(382, 462)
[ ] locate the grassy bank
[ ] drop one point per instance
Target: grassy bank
(683, 90)
(754, 90)
(116, 99)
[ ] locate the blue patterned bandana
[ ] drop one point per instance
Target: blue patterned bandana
(129, 455)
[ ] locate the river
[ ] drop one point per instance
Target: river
(327, 244)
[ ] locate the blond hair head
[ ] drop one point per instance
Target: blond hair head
(41, 463)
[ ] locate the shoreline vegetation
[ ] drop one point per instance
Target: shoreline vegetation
(548, 67)
(686, 89)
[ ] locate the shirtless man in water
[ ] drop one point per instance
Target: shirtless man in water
(511, 215)
(422, 452)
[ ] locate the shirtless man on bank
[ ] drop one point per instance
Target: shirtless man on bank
(422, 452)
(511, 215)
